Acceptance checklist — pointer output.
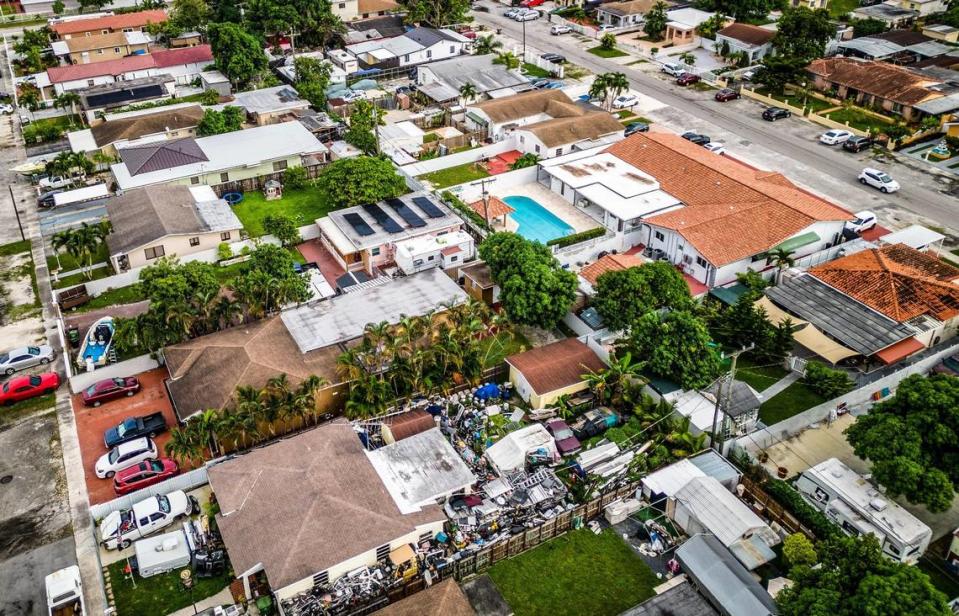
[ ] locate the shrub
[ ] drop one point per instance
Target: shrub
(210, 97)
(825, 381)
(294, 177)
(608, 42)
(569, 240)
(808, 516)
(224, 251)
(456, 203)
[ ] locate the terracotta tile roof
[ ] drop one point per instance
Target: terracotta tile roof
(897, 281)
(731, 211)
(888, 81)
(497, 208)
(752, 35)
(443, 599)
(451, 250)
(60, 74)
(184, 55)
(557, 365)
(609, 263)
(110, 22)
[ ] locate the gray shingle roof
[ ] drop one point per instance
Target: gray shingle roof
(162, 155)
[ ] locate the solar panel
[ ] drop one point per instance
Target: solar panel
(406, 213)
(429, 207)
(359, 225)
(390, 225)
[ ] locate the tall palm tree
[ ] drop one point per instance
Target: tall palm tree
(304, 397)
(207, 424)
(486, 45)
(620, 374)
(59, 242)
(599, 89)
(782, 259)
(182, 446)
(616, 84)
(68, 99)
(467, 93)
(507, 59)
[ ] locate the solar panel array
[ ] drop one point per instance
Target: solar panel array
(411, 218)
(429, 207)
(359, 225)
(381, 217)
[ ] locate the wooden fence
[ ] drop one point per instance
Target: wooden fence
(772, 510)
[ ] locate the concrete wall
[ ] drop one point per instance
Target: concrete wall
(460, 158)
(82, 380)
(174, 245)
(501, 186)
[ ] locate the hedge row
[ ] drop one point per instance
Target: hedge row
(810, 517)
(464, 209)
(576, 238)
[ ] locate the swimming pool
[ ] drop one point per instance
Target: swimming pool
(535, 221)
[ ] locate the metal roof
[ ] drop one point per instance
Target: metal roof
(727, 584)
(716, 466)
(680, 600)
(717, 509)
(872, 47)
(841, 317)
(477, 70)
(941, 105)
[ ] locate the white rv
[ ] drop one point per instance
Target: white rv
(849, 500)
(65, 592)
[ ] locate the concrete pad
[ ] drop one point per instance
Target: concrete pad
(22, 577)
(486, 598)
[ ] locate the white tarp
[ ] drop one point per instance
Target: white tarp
(509, 453)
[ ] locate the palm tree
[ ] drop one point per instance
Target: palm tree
(30, 98)
(305, 395)
(207, 424)
(68, 99)
(782, 259)
(620, 375)
(508, 59)
(59, 241)
(599, 89)
(562, 406)
(681, 442)
(486, 45)
(616, 84)
(182, 446)
(467, 93)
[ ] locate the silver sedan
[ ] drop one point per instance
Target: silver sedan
(25, 357)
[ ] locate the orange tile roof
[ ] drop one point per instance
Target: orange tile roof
(110, 22)
(497, 208)
(897, 281)
(609, 263)
(732, 211)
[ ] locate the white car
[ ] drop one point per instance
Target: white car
(715, 147)
(625, 101)
(121, 528)
(863, 221)
(25, 357)
(529, 15)
(511, 13)
(878, 179)
(353, 95)
(57, 181)
(126, 455)
(673, 69)
(560, 29)
(607, 28)
(835, 136)
(6, 108)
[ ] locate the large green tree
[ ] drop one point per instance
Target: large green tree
(190, 15)
(675, 345)
(239, 55)
(365, 179)
(802, 33)
(310, 22)
(741, 9)
(912, 440)
(655, 24)
(534, 288)
(624, 296)
(216, 122)
(365, 120)
(436, 13)
(312, 79)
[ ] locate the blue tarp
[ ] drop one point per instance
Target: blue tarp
(488, 391)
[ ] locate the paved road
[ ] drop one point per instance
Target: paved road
(926, 199)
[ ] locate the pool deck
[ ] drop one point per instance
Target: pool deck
(578, 220)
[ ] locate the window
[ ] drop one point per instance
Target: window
(425, 537)
(116, 50)
(429, 53)
(99, 52)
(453, 259)
(321, 579)
(701, 262)
(224, 177)
(194, 180)
(154, 252)
(431, 257)
(659, 236)
(382, 552)
(194, 241)
(406, 58)
(537, 149)
(452, 49)
(279, 165)
(559, 151)
(89, 82)
(224, 236)
(375, 251)
(342, 5)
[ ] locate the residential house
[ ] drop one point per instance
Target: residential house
(754, 41)
(923, 7)
(331, 506)
(546, 122)
(543, 374)
(443, 599)
(101, 47)
(883, 304)
(738, 403)
(98, 100)
(628, 14)
(682, 24)
(729, 586)
(662, 484)
(896, 46)
(677, 597)
(890, 13)
(171, 220)
(186, 39)
(269, 105)
(414, 47)
(441, 81)
(241, 160)
(590, 274)
(369, 237)
(386, 26)
(64, 29)
(942, 32)
(349, 10)
(168, 122)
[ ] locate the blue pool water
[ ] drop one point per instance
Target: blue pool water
(536, 222)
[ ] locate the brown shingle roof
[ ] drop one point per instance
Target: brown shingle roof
(749, 34)
(570, 129)
(307, 503)
(143, 125)
(557, 365)
(443, 599)
(79, 44)
(632, 7)
(609, 263)
(110, 22)
(897, 281)
(497, 208)
(526, 104)
(888, 81)
(731, 211)
(365, 7)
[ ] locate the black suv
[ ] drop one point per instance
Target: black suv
(696, 138)
(858, 144)
(776, 113)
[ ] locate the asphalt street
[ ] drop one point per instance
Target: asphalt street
(927, 199)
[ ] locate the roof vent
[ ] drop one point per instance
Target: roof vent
(878, 504)
(836, 473)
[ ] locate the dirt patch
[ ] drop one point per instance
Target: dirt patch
(24, 331)
(16, 278)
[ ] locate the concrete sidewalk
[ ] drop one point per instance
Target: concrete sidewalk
(780, 385)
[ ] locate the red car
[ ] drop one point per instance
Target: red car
(566, 441)
(144, 474)
(28, 386)
(687, 79)
(531, 3)
(726, 94)
(109, 389)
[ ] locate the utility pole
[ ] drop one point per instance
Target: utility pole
(16, 211)
(483, 183)
(523, 60)
(722, 401)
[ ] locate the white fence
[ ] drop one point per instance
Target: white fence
(587, 251)
(460, 158)
(81, 380)
(556, 70)
(502, 182)
(187, 481)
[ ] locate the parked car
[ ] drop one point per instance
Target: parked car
(625, 101)
(726, 94)
(531, 3)
(687, 79)
(135, 427)
(25, 357)
(636, 127)
(351, 96)
(540, 83)
(56, 181)
(835, 136)
(878, 179)
(144, 474)
(555, 58)
(558, 29)
(607, 28)
(46, 198)
(110, 389)
(858, 144)
(566, 441)
(6, 108)
(124, 456)
(594, 422)
(748, 75)
(513, 12)
(775, 113)
(863, 221)
(695, 138)
(121, 528)
(25, 387)
(527, 16)
(671, 68)
(715, 147)
(555, 85)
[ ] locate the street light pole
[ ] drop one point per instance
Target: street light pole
(524, 41)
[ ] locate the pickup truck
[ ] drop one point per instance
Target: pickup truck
(65, 592)
(135, 427)
(121, 528)
(58, 181)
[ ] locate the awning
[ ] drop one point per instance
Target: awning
(810, 237)
(477, 118)
(903, 348)
(822, 345)
(775, 314)
(331, 232)
(729, 295)
(439, 92)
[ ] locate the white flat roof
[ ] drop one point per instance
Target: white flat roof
(509, 452)
(914, 236)
(82, 141)
(431, 243)
(720, 512)
(203, 194)
(671, 479)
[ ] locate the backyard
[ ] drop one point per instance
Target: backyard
(158, 595)
(497, 348)
(577, 573)
(793, 400)
(455, 175)
(50, 129)
(303, 205)
(759, 377)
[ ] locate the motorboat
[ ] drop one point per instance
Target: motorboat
(95, 349)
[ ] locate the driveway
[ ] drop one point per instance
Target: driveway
(93, 422)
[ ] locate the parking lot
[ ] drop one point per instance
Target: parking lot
(93, 422)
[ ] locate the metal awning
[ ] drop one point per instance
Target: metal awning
(476, 118)
(822, 345)
(729, 295)
(900, 350)
(810, 237)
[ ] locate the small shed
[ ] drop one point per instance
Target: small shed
(509, 453)
(404, 425)
(272, 190)
(215, 80)
(478, 282)
(543, 374)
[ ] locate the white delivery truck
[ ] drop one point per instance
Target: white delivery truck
(65, 592)
(163, 553)
(81, 195)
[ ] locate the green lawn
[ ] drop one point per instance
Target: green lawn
(158, 595)
(113, 297)
(578, 573)
(761, 377)
(794, 399)
(534, 71)
(456, 175)
(606, 53)
(68, 263)
(9, 414)
(32, 131)
(303, 205)
(814, 104)
(79, 278)
(857, 118)
(839, 8)
(497, 348)
(15, 248)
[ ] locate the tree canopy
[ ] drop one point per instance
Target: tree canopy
(365, 117)
(190, 14)
(655, 24)
(624, 296)
(802, 33)
(741, 9)
(311, 22)
(912, 440)
(365, 179)
(239, 55)
(437, 13)
(283, 228)
(312, 79)
(676, 346)
(216, 122)
(534, 288)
